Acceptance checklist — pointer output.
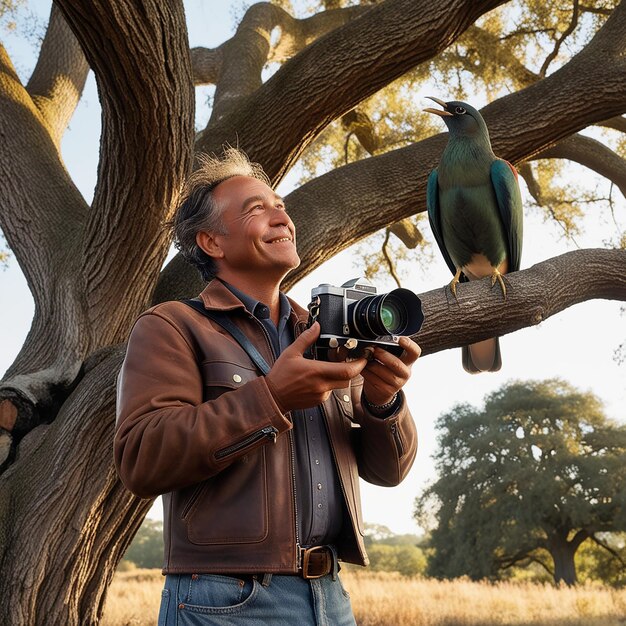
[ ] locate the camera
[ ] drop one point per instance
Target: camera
(354, 316)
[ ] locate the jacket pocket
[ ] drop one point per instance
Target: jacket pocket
(231, 507)
(222, 376)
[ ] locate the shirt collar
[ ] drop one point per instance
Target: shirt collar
(256, 307)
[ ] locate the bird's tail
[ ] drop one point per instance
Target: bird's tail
(483, 356)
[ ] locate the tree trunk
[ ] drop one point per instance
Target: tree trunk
(562, 552)
(564, 566)
(65, 518)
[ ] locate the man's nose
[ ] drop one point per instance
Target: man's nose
(279, 217)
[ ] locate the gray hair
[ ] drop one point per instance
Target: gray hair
(197, 210)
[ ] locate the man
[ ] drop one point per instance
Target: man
(259, 473)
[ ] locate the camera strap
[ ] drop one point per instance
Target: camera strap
(221, 318)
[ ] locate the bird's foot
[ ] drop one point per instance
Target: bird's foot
(497, 276)
(454, 282)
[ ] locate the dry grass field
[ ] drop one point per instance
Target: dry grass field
(386, 599)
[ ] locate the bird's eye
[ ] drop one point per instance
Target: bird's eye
(460, 111)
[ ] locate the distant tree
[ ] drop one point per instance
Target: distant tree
(534, 473)
(394, 553)
(146, 549)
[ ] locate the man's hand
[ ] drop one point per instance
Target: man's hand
(386, 374)
(300, 383)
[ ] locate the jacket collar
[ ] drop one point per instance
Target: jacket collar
(217, 296)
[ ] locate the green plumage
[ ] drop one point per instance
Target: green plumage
(474, 207)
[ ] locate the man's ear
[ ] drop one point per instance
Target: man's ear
(207, 242)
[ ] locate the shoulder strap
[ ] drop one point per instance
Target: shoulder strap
(221, 318)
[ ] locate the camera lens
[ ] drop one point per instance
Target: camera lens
(398, 312)
(392, 316)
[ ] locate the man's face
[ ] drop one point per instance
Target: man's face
(260, 237)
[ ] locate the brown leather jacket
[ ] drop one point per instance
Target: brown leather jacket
(197, 423)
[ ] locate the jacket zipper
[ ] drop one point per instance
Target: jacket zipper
(395, 433)
(295, 499)
(269, 432)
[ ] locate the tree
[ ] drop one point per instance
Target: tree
(92, 269)
(394, 553)
(535, 472)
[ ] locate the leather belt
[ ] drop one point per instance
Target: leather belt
(317, 561)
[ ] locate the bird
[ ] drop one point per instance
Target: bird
(475, 212)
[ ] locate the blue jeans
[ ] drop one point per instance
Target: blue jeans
(210, 599)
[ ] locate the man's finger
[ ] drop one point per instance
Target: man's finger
(305, 339)
(396, 365)
(345, 370)
(411, 352)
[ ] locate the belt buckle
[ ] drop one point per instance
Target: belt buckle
(306, 556)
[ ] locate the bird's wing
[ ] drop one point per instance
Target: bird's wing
(434, 216)
(506, 187)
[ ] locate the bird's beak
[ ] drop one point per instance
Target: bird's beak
(443, 113)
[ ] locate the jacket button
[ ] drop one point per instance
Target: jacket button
(346, 397)
(237, 378)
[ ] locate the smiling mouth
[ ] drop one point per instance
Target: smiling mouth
(280, 240)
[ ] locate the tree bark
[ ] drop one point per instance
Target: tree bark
(562, 552)
(94, 269)
(592, 154)
(57, 82)
(533, 295)
(65, 518)
(334, 74)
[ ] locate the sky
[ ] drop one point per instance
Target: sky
(576, 345)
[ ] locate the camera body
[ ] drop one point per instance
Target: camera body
(356, 317)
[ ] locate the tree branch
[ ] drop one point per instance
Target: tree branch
(334, 74)
(578, 538)
(344, 205)
(533, 295)
(41, 215)
(296, 34)
(58, 79)
(559, 42)
(91, 277)
(140, 55)
(608, 548)
(389, 260)
(618, 123)
(592, 154)
(243, 57)
(490, 51)
(407, 232)
(206, 64)
(521, 125)
(536, 559)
